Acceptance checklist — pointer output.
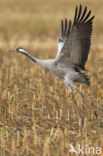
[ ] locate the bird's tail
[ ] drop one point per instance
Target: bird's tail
(83, 78)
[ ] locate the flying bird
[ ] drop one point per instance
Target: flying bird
(72, 55)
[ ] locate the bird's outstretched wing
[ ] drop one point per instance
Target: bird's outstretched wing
(76, 38)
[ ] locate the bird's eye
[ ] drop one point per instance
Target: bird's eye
(17, 49)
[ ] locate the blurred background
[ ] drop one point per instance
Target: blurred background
(27, 22)
(37, 115)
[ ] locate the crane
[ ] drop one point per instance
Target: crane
(72, 54)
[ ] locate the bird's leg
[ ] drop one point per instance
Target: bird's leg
(73, 86)
(75, 102)
(84, 98)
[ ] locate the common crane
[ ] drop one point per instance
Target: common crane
(73, 50)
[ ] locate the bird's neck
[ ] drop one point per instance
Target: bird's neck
(30, 57)
(46, 64)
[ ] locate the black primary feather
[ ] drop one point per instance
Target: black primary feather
(86, 17)
(61, 27)
(76, 11)
(69, 27)
(79, 14)
(65, 25)
(85, 10)
(77, 39)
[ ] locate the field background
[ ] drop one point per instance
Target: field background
(37, 115)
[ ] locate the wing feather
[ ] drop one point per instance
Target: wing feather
(69, 26)
(75, 17)
(86, 17)
(85, 10)
(65, 25)
(61, 27)
(77, 39)
(79, 14)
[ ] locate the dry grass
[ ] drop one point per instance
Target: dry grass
(37, 114)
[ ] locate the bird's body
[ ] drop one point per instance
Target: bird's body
(73, 50)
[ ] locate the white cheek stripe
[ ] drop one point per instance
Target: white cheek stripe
(22, 50)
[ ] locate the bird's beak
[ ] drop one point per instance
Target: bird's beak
(12, 50)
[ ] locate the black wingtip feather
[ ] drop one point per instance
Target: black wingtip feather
(85, 10)
(90, 20)
(76, 11)
(65, 25)
(79, 18)
(61, 27)
(87, 16)
(79, 14)
(69, 26)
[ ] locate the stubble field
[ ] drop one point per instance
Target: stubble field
(37, 114)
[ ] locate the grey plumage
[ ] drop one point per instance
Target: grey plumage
(73, 50)
(77, 40)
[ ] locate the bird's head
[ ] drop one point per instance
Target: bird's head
(20, 50)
